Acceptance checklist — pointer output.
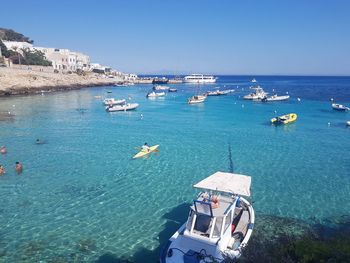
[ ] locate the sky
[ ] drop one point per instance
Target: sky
(238, 37)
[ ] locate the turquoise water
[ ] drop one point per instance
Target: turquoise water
(81, 196)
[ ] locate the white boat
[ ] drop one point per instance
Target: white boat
(339, 107)
(125, 107)
(219, 92)
(253, 80)
(160, 87)
(196, 99)
(155, 94)
(275, 97)
(112, 101)
(199, 78)
(219, 225)
(348, 123)
(258, 94)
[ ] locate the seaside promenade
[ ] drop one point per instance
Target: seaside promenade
(32, 81)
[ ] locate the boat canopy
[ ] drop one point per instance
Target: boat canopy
(227, 183)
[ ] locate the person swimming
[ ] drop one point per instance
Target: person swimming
(38, 141)
(19, 167)
(2, 170)
(3, 150)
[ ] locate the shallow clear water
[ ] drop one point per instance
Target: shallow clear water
(81, 195)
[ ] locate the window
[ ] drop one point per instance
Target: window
(202, 223)
(190, 220)
(217, 227)
(228, 220)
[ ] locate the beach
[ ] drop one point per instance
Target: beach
(28, 81)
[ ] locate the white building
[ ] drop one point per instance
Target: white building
(130, 77)
(64, 59)
(17, 46)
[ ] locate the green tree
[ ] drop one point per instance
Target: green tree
(35, 57)
(5, 52)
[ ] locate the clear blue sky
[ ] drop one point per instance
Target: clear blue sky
(253, 37)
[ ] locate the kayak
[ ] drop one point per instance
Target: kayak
(145, 152)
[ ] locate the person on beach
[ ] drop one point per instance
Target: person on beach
(19, 167)
(2, 170)
(3, 150)
(145, 147)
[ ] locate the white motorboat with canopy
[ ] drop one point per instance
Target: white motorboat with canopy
(219, 224)
(124, 107)
(258, 94)
(113, 101)
(196, 99)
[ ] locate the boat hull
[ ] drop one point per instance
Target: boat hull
(285, 119)
(277, 98)
(199, 81)
(125, 107)
(340, 107)
(155, 94)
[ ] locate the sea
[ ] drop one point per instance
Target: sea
(82, 198)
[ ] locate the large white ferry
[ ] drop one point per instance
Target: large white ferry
(199, 78)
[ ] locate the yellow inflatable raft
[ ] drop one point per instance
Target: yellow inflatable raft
(285, 119)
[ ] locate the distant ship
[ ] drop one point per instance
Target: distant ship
(162, 80)
(199, 78)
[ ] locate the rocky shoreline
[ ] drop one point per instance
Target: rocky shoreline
(26, 82)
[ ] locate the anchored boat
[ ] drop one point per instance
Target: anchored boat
(199, 78)
(196, 99)
(275, 97)
(219, 92)
(339, 107)
(160, 87)
(219, 224)
(124, 107)
(285, 119)
(155, 94)
(112, 101)
(258, 93)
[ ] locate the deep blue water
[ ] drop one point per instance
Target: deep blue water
(81, 196)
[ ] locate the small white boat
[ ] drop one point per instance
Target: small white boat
(258, 94)
(155, 94)
(112, 101)
(219, 92)
(275, 97)
(339, 107)
(348, 123)
(219, 225)
(196, 99)
(160, 87)
(253, 81)
(125, 107)
(172, 90)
